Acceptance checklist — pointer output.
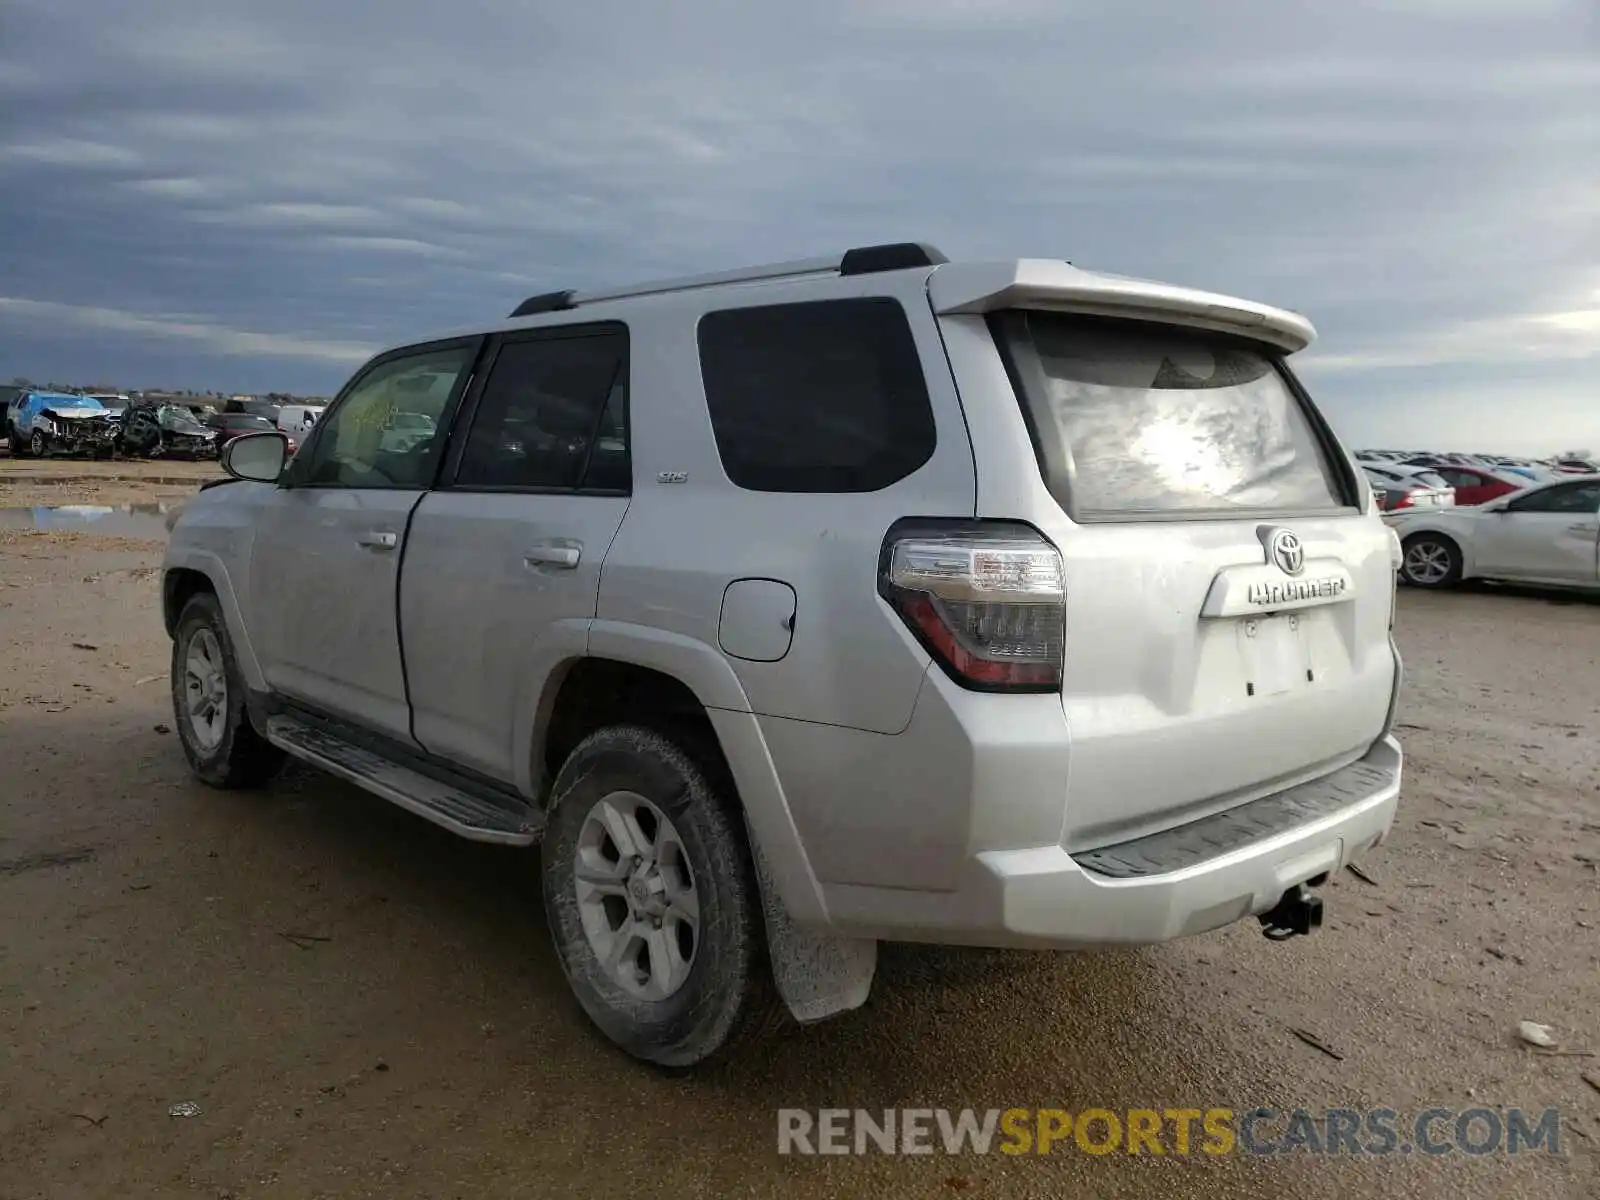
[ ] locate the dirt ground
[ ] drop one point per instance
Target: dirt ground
(361, 1005)
(27, 483)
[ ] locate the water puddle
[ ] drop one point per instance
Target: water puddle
(146, 521)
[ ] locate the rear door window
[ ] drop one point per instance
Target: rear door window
(1135, 418)
(821, 396)
(552, 415)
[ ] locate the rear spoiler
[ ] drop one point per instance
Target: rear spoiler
(956, 288)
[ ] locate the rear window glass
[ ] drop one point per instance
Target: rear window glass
(1429, 479)
(1147, 418)
(824, 396)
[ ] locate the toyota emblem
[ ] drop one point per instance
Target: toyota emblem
(1287, 552)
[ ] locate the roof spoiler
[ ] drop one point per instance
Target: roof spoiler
(1050, 283)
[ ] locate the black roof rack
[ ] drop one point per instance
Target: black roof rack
(544, 302)
(895, 256)
(862, 260)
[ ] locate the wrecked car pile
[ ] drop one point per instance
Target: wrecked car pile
(43, 424)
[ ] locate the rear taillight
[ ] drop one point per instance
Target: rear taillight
(1403, 502)
(987, 601)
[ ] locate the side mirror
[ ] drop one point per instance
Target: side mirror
(258, 457)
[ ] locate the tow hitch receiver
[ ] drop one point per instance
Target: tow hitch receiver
(1297, 912)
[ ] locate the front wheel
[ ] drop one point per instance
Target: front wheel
(1431, 561)
(652, 900)
(222, 746)
(37, 444)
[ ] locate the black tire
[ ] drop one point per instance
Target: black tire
(242, 758)
(1435, 548)
(727, 997)
(38, 444)
(19, 444)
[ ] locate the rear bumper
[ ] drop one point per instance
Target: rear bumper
(1188, 880)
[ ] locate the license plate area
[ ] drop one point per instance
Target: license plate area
(1275, 654)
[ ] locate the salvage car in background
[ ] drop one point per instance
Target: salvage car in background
(40, 423)
(229, 425)
(1407, 487)
(1547, 534)
(1475, 485)
(165, 430)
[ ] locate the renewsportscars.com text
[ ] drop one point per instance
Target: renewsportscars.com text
(1169, 1131)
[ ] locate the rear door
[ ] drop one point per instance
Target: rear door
(510, 546)
(1228, 601)
(1548, 534)
(325, 560)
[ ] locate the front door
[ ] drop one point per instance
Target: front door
(504, 559)
(1550, 534)
(325, 562)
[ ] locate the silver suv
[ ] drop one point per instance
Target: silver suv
(797, 608)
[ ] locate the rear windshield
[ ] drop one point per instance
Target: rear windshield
(1428, 479)
(1133, 417)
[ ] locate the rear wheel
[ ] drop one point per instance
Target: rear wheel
(19, 444)
(222, 746)
(652, 899)
(1431, 561)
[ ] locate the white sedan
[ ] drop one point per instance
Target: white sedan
(1545, 534)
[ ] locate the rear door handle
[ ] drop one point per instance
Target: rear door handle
(379, 539)
(1583, 527)
(553, 554)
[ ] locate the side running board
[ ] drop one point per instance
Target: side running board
(471, 815)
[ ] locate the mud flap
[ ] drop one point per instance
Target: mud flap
(818, 975)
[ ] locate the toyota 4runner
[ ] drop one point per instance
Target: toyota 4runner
(794, 609)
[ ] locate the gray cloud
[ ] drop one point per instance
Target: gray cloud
(1419, 176)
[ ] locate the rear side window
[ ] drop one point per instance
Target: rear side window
(823, 396)
(1134, 418)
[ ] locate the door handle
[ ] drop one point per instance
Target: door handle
(379, 539)
(1583, 527)
(553, 554)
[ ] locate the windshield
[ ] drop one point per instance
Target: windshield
(180, 419)
(1134, 417)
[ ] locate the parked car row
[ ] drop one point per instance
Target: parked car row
(1403, 481)
(1531, 469)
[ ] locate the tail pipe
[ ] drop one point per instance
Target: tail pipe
(1297, 912)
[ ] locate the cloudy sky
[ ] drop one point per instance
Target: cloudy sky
(252, 196)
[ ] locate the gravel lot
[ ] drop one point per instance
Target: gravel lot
(361, 1005)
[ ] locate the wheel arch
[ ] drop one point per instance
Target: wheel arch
(685, 683)
(188, 572)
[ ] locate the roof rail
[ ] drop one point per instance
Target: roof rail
(544, 302)
(861, 260)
